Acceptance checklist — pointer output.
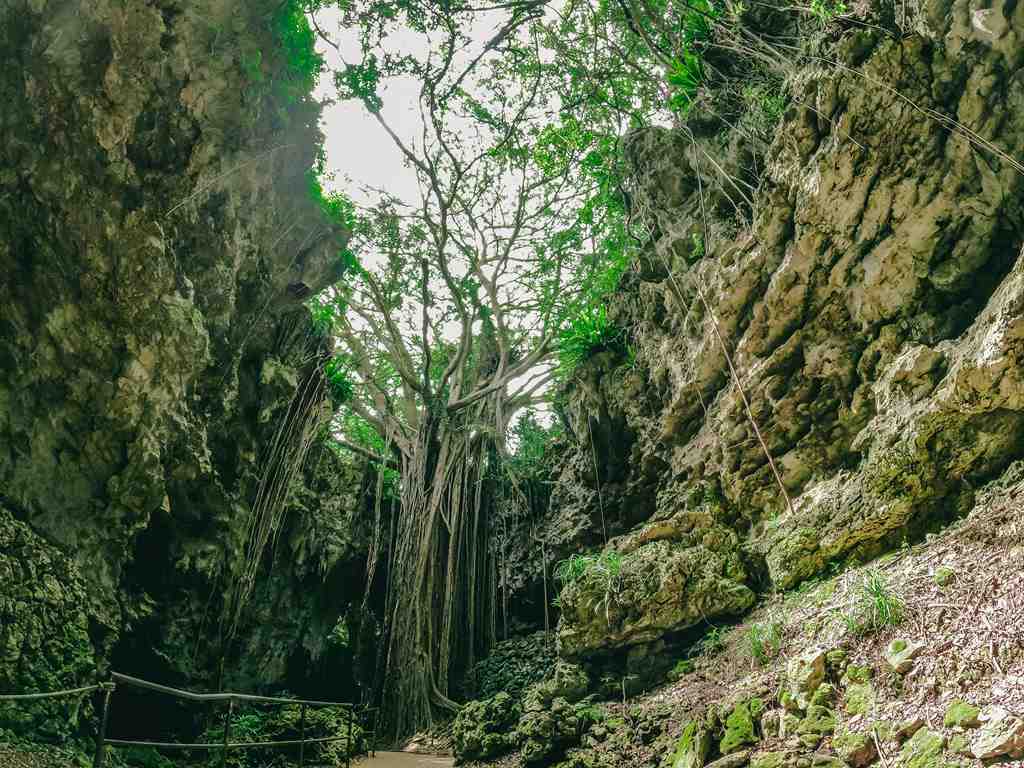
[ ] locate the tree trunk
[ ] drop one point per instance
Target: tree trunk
(439, 598)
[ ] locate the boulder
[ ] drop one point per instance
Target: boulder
(486, 728)
(768, 760)
(803, 676)
(692, 748)
(859, 698)
(924, 750)
(856, 748)
(546, 734)
(819, 720)
(899, 655)
(740, 729)
(960, 714)
(662, 587)
(1001, 733)
(732, 760)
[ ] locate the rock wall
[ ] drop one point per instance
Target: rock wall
(859, 280)
(157, 238)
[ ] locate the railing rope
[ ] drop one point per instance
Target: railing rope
(50, 695)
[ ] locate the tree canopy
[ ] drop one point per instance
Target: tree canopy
(474, 295)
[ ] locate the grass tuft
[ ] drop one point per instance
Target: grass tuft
(876, 605)
(764, 641)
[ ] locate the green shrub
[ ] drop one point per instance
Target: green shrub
(764, 642)
(712, 642)
(604, 568)
(282, 723)
(339, 382)
(586, 334)
(944, 576)
(298, 43)
(827, 10)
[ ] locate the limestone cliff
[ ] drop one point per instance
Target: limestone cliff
(859, 280)
(160, 378)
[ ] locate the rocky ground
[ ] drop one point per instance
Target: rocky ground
(913, 660)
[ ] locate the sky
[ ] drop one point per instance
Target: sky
(358, 152)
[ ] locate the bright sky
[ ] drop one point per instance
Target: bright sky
(358, 151)
(356, 148)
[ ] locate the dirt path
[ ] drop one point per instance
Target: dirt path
(405, 760)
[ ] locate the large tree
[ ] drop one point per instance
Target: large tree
(464, 296)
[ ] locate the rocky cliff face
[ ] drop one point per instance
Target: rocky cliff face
(160, 385)
(871, 313)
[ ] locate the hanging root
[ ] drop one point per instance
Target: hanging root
(283, 461)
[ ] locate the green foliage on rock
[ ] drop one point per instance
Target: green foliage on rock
(587, 333)
(740, 727)
(692, 747)
(485, 728)
(961, 714)
(512, 666)
(44, 636)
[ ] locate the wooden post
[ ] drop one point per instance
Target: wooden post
(227, 732)
(348, 745)
(101, 735)
(302, 735)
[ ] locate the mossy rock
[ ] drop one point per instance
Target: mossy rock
(859, 699)
(485, 728)
(44, 635)
(768, 760)
(803, 676)
(663, 587)
(819, 720)
(958, 743)
(692, 748)
(810, 740)
(856, 674)
(681, 669)
(569, 682)
(923, 750)
(855, 748)
(511, 666)
(961, 714)
(545, 735)
(825, 694)
(739, 726)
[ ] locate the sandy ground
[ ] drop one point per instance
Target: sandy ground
(405, 760)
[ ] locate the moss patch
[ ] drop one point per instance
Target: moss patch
(961, 714)
(739, 726)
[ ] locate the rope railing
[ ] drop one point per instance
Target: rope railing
(50, 695)
(108, 688)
